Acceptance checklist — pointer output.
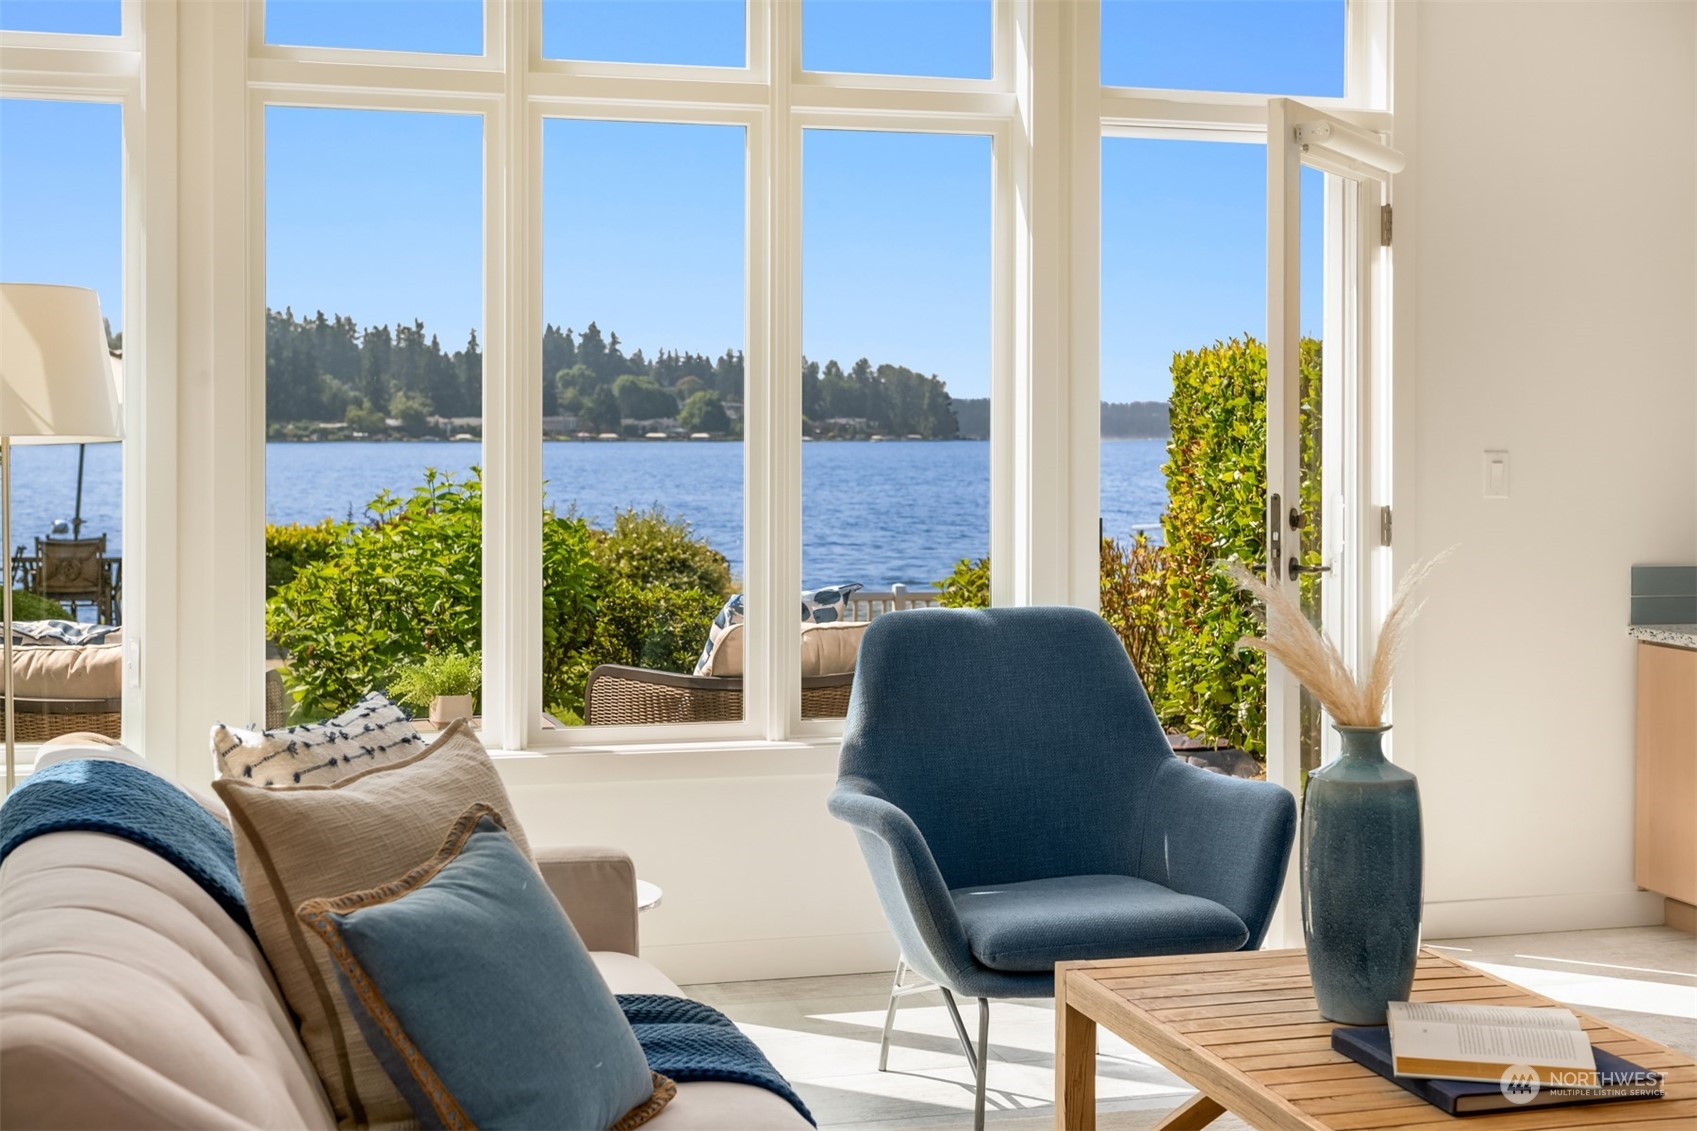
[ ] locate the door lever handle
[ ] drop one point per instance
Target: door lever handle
(1297, 569)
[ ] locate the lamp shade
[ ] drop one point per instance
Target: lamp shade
(57, 383)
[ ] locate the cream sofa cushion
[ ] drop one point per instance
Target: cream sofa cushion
(826, 649)
(132, 1000)
(311, 842)
(83, 671)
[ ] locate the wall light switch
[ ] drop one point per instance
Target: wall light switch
(1496, 475)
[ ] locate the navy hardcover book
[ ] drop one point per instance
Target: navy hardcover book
(1372, 1047)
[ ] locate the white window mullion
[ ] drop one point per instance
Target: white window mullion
(512, 407)
(150, 404)
(776, 471)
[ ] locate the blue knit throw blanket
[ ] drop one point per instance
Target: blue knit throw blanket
(686, 1040)
(102, 796)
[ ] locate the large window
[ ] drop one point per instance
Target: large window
(373, 403)
(643, 401)
(662, 262)
(61, 222)
(896, 378)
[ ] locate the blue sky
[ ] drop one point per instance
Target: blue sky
(379, 214)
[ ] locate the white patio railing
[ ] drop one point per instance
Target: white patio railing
(868, 603)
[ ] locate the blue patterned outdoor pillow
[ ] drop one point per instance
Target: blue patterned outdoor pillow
(818, 606)
(373, 732)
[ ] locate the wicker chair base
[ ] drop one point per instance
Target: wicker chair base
(42, 719)
(623, 696)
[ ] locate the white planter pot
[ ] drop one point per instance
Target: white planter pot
(444, 709)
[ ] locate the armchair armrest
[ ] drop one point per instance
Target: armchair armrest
(915, 898)
(1220, 838)
(597, 888)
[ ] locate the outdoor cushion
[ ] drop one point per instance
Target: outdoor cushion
(1030, 926)
(479, 998)
(373, 732)
(314, 841)
(818, 606)
(72, 671)
(826, 649)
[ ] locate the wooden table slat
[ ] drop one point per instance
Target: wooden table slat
(1244, 1029)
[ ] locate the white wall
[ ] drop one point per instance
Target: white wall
(1547, 274)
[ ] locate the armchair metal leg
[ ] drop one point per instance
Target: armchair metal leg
(978, 1061)
(890, 1016)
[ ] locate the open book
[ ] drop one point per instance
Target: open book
(1482, 1042)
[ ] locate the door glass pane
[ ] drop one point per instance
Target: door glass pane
(941, 38)
(895, 383)
(643, 394)
(1184, 314)
(1250, 46)
(373, 400)
(703, 33)
(448, 27)
(85, 17)
(61, 222)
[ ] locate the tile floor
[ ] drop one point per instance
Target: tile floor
(823, 1033)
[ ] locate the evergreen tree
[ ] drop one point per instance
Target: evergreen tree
(601, 414)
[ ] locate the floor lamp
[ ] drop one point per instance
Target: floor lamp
(57, 386)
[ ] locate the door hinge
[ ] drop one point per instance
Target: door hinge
(1384, 526)
(1384, 225)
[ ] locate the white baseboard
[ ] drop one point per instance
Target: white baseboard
(1519, 915)
(744, 960)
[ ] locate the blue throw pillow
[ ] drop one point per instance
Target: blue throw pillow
(479, 999)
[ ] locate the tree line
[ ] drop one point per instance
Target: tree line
(1121, 420)
(321, 370)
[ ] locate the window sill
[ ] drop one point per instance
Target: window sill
(802, 757)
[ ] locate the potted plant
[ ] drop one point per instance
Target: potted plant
(444, 684)
(1361, 856)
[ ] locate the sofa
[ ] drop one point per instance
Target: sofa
(130, 999)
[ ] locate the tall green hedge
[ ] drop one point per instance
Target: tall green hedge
(1216, 486)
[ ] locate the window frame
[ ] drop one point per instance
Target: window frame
(1043, 108)
(114, 70)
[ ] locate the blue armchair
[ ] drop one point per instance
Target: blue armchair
(1018, 805)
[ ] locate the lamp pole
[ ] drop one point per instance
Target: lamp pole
(6, 545)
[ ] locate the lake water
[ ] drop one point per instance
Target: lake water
(874, 513)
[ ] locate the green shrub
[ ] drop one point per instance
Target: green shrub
(1216, 486)
(1132, 586)
(289, 547)
(645, 548)
(405, 584)
(968, 587)
(572, 584)
(445, 673)
(33, 606)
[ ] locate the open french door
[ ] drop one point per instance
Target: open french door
(1328, 483)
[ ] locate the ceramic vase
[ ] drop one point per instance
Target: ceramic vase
(1361, 874)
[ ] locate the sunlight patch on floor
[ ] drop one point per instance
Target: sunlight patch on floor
(1597, 991)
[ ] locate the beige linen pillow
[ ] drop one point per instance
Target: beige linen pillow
(317, 842)
(826, 649)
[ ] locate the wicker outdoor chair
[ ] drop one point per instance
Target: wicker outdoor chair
(38, 720)
(619, 695)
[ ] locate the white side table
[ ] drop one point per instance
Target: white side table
(647, 895)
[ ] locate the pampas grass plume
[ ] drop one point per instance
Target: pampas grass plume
(1315, 661)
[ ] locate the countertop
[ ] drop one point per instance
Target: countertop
(1678, 635)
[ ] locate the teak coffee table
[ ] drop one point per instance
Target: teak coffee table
(1244, 1030)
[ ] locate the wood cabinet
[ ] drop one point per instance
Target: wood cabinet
(1666, 847)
